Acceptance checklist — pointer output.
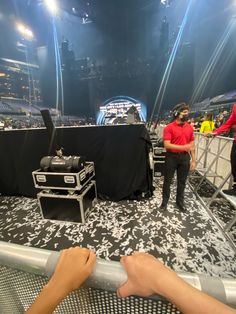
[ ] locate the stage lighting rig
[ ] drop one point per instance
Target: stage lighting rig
(25, 31)
(52, 6)
(166, 3)
(83, 10)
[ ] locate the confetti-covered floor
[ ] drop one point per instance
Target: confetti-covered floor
(189, 241)
(221, 208)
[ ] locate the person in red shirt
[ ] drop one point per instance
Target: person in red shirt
(179, 144)
(225, 127)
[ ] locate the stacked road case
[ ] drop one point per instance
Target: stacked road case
(66, 196)
(158, 161)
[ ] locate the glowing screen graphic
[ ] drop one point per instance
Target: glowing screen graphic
(120, 110)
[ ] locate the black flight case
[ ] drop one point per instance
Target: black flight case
(66, 196)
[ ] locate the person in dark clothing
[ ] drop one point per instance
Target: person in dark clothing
(178, 139)
(225, 127)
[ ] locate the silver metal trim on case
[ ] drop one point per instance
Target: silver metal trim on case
(91, 167)
(41, 178)
(69, 179)
(82, 175)
(159, 162)
(77, 197)
(78, 187)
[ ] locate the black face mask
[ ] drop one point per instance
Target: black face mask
(184, 118)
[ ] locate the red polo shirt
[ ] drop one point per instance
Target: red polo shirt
(231, 122)
(178, 134)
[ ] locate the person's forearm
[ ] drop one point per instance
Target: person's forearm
(190, 300)
(225, 127)
(47, 300)
(193, 154)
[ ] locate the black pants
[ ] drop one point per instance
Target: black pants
(179, 162)
(233, 162)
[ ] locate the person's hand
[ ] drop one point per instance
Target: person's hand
(193, 165)
(209, 134)
(188, 147)
(73, 268)
(146, 275)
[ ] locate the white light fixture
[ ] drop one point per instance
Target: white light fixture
(166, 3)
(52, 6)
(25, 31)
(21, 28)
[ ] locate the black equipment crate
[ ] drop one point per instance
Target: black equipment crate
(64, 180)
(68, 207)
(158, 168)
(159, 155)
(159, 152)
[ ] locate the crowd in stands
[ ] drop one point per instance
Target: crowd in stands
(17, 106)
(23, 122)
(14, 115)
(202, 123)
(210, 121)
(19, 114)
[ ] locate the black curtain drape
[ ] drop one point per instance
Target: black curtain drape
(120, 154)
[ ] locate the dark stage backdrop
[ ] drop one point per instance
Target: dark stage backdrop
(120, 154)
(84, 97)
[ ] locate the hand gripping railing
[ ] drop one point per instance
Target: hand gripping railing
(107, 275)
